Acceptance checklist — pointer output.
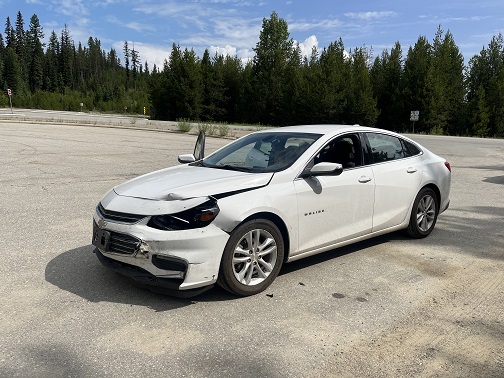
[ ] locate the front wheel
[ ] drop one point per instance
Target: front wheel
(424, 214)
(252, 258)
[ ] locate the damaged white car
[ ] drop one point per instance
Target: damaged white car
(271, 197)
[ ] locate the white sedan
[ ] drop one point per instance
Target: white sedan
(268, 198)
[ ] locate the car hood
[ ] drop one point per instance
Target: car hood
(186, 181)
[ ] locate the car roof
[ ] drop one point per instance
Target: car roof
(323, 129)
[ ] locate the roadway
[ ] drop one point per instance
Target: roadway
(391, 306)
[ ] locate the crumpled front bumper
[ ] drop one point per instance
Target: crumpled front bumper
(165, 285)
(182, 260)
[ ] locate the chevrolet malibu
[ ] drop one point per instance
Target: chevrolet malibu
(271, 197)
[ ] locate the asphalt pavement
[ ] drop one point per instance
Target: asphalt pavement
(387, 307)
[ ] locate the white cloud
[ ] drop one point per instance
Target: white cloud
(168, 8)
(136, 26)
(50, 25)
(322, 24)
(226, 50)
(307, 46)
(73, 8)
(368, 16)
(245, 55)
(152, 54)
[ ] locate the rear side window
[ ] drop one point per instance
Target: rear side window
(410, 149)
(386, 147)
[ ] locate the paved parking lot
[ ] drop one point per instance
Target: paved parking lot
(391, 306)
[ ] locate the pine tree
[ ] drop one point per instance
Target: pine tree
(126, 64)
(213, 96)
(51, 71)
(415, 91)
(20, 37)
(486, 70)
(35, 54)
(36, 71)
(445, 83)
(67, 49)
(362, 107)
(480, 118)
(135, 63)
(11, 72)
(232, 72)
(269, 65)
(292, 88)
(386, 76)
(330, 84)
(10, 36)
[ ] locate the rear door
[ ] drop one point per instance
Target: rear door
(397, 178)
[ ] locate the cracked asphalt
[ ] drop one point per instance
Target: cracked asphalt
(386, 307)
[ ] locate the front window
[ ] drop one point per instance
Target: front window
(262, 152)
(344, 150)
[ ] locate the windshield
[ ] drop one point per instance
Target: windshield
(262, 152)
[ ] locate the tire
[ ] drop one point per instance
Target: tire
(249, 269)
(423, 214)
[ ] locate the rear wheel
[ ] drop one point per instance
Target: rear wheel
(424, 214)
(252, 258)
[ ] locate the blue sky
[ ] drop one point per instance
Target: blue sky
(233, 26)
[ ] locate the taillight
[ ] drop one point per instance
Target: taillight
(447, 165)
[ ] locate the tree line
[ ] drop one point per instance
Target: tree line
(63, 76)
(279, 86)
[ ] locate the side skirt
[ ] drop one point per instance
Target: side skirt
(343, 243)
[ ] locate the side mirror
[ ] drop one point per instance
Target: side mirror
(324, 169)
(199, 151)
(186, 158)
(199, 147)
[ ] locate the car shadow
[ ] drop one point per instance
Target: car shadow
(78, 271)
(341, 251)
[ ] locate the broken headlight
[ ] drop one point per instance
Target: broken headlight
(197, 217)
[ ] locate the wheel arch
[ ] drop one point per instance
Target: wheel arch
(436, 190)
(278, 222)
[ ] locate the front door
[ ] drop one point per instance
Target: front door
(332, 209)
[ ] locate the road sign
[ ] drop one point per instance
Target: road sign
(9, 92)
(415, 115)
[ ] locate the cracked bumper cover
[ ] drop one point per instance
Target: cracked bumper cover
(197, 254)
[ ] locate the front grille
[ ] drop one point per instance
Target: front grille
(116, 216)
(122, 243)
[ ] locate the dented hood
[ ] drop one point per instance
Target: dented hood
(184, 182)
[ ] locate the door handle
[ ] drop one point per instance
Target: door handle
(365, 179)
(411, 170)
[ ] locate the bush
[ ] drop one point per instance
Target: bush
(184, 125)
(212, 129)
(223, 130)
(203, 127)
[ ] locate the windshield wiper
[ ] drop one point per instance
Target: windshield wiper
(231, 168)
(198, 163)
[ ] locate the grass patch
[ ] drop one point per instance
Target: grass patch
(184, 125)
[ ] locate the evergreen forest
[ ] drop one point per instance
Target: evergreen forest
(279, 86)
